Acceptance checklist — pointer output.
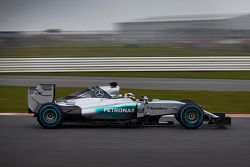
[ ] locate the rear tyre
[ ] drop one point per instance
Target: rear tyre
(50, 116)
(191, 116)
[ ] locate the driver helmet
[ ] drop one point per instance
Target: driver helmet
(129, 95)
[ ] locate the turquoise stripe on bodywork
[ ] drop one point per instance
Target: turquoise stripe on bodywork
(121, 111)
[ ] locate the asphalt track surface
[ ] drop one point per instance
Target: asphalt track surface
(24, 143)
(126, 82)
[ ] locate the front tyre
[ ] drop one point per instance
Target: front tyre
(191, 116)
(186, 101)
(49, 116)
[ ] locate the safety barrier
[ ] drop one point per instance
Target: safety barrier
(74, 64)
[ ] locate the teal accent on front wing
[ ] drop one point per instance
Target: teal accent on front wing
(122, 111)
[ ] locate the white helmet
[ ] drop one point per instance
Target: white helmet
(129, 95)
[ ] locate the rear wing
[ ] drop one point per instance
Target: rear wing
(41, 94)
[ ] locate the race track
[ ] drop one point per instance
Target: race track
(126, 82)
(24, 143)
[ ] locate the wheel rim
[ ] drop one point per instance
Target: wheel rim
(192, 116)
(50, 116)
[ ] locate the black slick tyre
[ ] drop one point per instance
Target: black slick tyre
(49, 116)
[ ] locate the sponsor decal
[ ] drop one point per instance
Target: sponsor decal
(99, 93)
(157, 108)
(35, 92)
(119, 110)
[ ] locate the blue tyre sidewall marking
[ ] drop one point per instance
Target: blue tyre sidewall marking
(53, 108)
(186, 122)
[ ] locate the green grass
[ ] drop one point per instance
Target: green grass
(121, 50)
(213, 101)
(14, 99)
(194, 74)
(115, 50)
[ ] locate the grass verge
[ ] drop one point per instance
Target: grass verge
(115, 50)
(14, 99)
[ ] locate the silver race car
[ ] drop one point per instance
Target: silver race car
(105, 105)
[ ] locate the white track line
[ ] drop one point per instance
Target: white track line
(238, 115)
(16, 114)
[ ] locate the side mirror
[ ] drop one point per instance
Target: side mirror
(145, 99)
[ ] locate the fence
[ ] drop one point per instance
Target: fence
(86, 64)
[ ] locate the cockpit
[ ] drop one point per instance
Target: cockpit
(111, 92)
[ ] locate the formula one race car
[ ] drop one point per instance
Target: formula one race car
(104, 105)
